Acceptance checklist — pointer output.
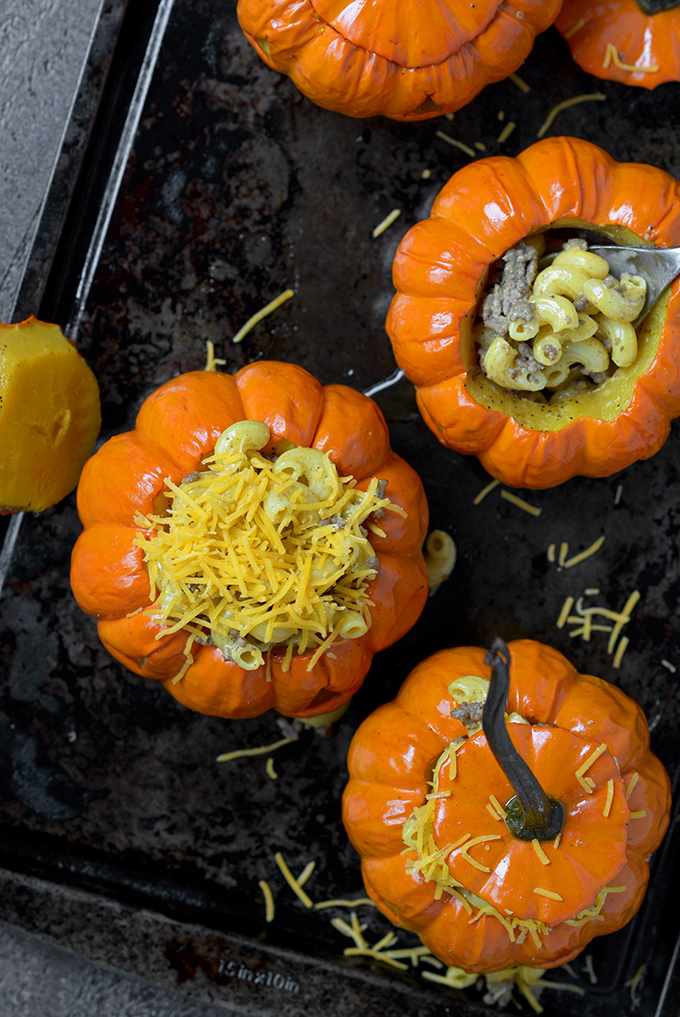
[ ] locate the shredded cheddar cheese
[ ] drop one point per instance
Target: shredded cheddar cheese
(485, 490)
(612, 57)
(542, 892)
(521, 503)
(253, 552)
(556, 110)
(520, 82)
(576, 27)
(268, 900)
(259, 750)
(256, 318)
(294, 883)
(506, 132)
(542, 856)
(456, 144)
(610, 798)
(386, 222)
(338, 902)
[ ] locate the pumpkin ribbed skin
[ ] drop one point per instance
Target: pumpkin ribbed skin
(646, 40)
(177, 426)
(439, 272)
(394, 58)
(606, 839)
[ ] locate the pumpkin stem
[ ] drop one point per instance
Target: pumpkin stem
(531, 814)
(656, 6)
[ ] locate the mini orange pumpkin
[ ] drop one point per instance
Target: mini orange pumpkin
(408, 61)
(633, 41)
(176, 429)
(440, 270)
(422, 774)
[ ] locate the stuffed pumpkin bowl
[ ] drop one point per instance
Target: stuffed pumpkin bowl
(571, 386)
(253, 542)
(436, 809)
(407, 61)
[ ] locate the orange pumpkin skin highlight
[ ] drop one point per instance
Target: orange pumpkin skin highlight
(394, 58)
(646, 40)
(176, 427)
(391, 760)
(439, 273)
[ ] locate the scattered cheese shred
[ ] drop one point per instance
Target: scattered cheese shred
(620, 650)
(542, 892)
(520, 82)
(339, 902)
(268, 900)
(521, 503)
(485, 490)
(612, 57)
(256, 318)
(260, 750)
(293, 883)
(631, 784)
(564, 551)
(543, 858)
(497, 805)
(211, 361)
(621, 619)
(551, 553)
(610, 798)
(576, 27)
(564, 613)
(669, 667)
(456, 144)
(638, 814)
(269, 769)
(587, 783)
(556, 842)
(480, 146)
(619, 492)
(506, 132)
(556, 110)
(386, 222)
(582, 555)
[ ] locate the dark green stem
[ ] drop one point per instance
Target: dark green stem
(531, 814)
(656, 6)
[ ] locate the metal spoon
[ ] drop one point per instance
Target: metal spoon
(658, 266)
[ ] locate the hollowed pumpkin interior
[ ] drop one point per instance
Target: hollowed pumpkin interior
(604, 401)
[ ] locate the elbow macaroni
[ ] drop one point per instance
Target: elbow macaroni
(580, 327)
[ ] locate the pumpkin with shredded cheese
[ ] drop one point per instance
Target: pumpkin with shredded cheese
(253, 542)
(426, 808)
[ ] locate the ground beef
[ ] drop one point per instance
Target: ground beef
(519, 272)
(526, 361)
(469, 714)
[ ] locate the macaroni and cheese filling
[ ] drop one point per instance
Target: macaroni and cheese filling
(480, 864)
(257, 551)
(554, 333)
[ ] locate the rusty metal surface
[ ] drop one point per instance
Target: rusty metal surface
(237, 188)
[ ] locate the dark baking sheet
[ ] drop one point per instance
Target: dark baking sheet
(236, 188)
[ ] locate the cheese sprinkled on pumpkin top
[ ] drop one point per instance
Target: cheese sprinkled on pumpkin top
(255, 552)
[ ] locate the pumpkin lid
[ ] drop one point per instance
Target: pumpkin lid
(551, 881)
(400, 33)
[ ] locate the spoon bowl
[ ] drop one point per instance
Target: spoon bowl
(658, 266)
